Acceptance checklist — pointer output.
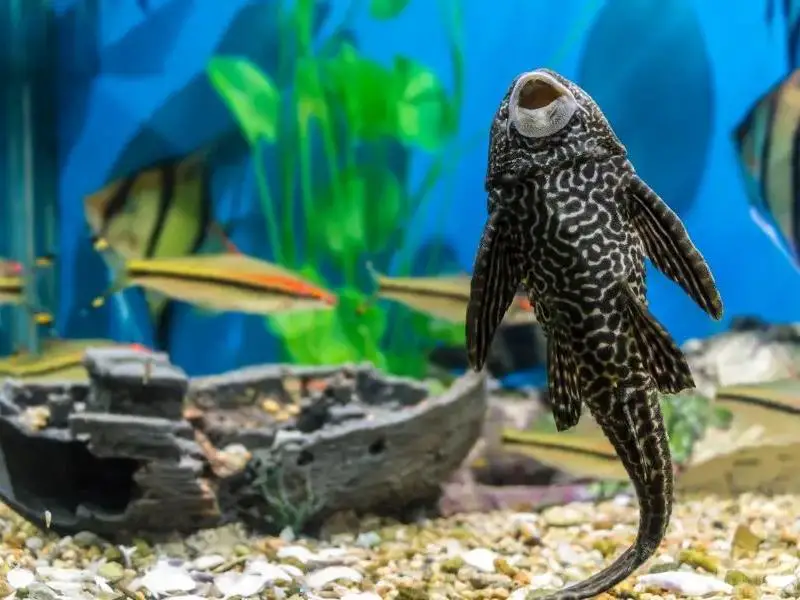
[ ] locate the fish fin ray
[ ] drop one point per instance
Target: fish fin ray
(669, 247)
(496, 277)
(563, 384)
(663, 359)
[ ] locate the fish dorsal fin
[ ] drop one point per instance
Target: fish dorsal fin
(669, 247)
(563, 382)
(663, 359)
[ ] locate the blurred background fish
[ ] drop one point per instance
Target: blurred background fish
(231, 282)
(161, 211)
(766, 145)
(443, 297)
(773, 406)
(579, 454)
(58, 360)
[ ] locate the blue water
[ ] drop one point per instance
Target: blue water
(674, 78)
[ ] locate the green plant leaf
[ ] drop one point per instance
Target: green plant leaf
(310, 102)
(363, 324)
(384, 207)
(312, 337)
(407, 364)
(249, 94)
(341, 218)
(365, 91)
(423, 117)
(386, 9)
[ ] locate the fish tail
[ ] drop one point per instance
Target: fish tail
(119, 279)
(635, 427)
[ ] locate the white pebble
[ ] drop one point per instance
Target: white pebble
(287, 534)
(301, 553)
(778, 582)
(206, 563)
(481, 559)
(164, 578)
(368, 539)
(240, 584)
(20, 578)
(686, 583)
(321, 578)
(265, 569)
(568, 556)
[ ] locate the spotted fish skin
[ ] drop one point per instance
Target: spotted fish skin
(571, 221)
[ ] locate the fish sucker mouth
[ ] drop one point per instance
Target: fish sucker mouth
(540, 105)
(537, 93)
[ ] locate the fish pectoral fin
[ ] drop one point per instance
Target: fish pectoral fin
(669, 247)
(663, 359)
(562, 379)
(495, 280)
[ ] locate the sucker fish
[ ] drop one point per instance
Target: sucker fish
(571, 220)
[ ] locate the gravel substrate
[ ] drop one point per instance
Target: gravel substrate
(742, 548)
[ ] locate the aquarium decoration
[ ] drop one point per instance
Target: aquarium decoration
(140, 447)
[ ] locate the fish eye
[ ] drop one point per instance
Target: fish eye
(540, 105)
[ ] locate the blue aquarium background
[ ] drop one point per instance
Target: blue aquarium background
(345, 137)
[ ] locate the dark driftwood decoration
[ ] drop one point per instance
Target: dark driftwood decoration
(137, 448)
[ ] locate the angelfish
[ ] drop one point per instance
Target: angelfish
(570, 218)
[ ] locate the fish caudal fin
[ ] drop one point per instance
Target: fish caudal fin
(563, 383)
(635, 427)
(495, 281)
(663, 359)
(669, 247)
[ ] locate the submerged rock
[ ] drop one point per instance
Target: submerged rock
(141, 448)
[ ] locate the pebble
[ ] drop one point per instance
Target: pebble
(481, 559)
(685, 583)
(493, 556)
(321, 578)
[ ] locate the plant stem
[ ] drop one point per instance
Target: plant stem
(304, 154)
(286, 151)
(267, 206)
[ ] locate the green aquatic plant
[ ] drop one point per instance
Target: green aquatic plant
(687, 416)
(339, 201)
(286, 505)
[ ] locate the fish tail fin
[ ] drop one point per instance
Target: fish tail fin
(635, 427)
(563, 383)
(119, 279)
(662, 357)
(496, 278)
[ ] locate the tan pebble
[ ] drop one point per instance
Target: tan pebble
(699, 560)
(746, 591)
(5, 588)
(603, 524)
(270, 406)
(502, 566)
(282, 416)
(522, 578)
